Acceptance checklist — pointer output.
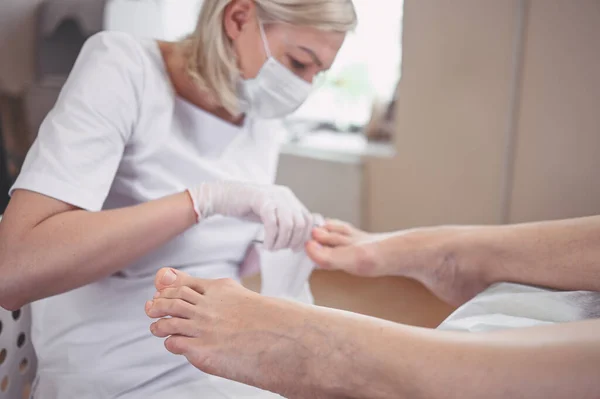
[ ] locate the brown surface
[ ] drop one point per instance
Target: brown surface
(394, 299)
(452, 117)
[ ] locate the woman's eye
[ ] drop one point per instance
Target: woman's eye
(297, 65)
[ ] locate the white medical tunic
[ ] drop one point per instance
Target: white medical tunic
(119, 136)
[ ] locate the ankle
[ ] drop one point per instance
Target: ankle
(459, 264)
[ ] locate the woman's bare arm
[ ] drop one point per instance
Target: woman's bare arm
(48, 247)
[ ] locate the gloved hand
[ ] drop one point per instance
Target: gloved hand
(287, 222)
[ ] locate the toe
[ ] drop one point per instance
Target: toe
(337, 226)
(319, 254)
(184, 293)
(162, 307)
(169, 277)
(327, 238)
(174, 326)
(178, 345)
(193, 350)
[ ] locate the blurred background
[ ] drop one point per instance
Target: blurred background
(436, 112)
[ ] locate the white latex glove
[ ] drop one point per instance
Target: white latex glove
(287, 222)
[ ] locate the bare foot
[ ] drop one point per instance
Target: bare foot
(226, 330)
(336, 233)
(340, 246)
(419, 254)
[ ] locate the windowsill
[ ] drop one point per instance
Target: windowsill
(338, 147)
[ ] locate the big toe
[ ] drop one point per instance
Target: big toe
(167, 277)
(172, 278)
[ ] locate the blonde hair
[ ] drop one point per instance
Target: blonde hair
(211, 58)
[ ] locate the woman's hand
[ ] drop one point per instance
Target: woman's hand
(287, 221)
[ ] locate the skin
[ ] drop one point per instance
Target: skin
(302, 351)
(389, 360)
(44, 241)
(457, 263)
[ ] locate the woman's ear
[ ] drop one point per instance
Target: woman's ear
(239, 14)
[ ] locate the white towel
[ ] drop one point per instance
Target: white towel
(508, 305)
(286, 274)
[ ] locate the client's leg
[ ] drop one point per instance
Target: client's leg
(229, 331)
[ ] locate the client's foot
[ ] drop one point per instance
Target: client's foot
(338, 245)
(335, 233)
(226, 330)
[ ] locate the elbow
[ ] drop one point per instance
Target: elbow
(10, 305)
(11, 293)
(10, 299)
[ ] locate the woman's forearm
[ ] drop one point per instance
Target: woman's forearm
(556, 361)
(74, 248)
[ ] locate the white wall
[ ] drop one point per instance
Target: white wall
(331, 188)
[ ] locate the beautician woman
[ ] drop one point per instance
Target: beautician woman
(157, 154)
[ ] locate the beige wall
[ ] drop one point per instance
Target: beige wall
(557, 169)
(452, 117)
(455, 115)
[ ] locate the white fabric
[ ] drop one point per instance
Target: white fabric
(214, 388)
(507, 305)
(119, 136)
(285, 274)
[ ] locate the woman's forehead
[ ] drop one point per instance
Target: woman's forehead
(309, 40)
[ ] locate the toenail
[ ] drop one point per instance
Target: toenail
(168, 278)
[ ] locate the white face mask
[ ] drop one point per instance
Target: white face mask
(275, 92)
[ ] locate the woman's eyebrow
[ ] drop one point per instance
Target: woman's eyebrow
(312, 55)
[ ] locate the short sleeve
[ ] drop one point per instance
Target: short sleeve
(81, 142)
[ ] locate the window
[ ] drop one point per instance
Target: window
(366, 69)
